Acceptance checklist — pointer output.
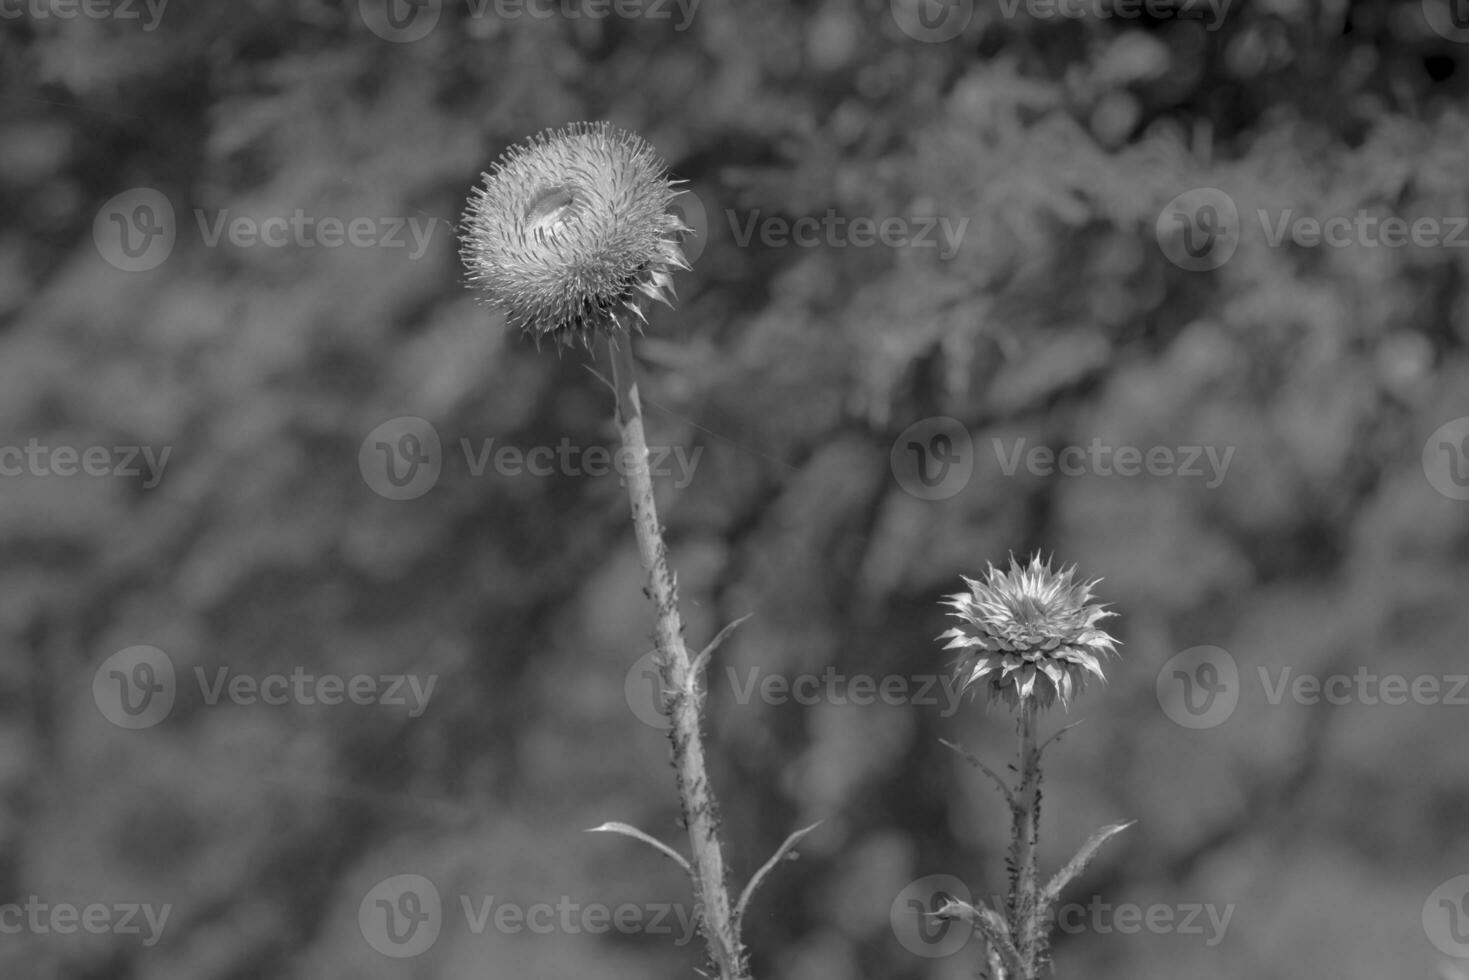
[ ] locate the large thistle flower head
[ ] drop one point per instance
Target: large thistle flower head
(1028, 634)
(571, 231)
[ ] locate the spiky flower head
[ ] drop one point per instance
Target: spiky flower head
(571, 232)
(1028, 634)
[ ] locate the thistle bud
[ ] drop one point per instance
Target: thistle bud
(1029, 633)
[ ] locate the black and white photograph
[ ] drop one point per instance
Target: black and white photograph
(734, 489)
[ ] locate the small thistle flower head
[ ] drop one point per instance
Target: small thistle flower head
(571, 232)
(1028, 634)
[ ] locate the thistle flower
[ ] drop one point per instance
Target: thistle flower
(1029, 633)
(571, 232)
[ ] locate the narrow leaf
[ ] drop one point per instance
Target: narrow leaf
(780, 853)
(703, 658)
(1057, 736)
(628, 830)
(974, 761)
(1078, 863)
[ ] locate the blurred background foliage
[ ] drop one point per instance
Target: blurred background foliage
(1058, 320)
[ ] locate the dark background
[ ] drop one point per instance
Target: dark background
(264, 548)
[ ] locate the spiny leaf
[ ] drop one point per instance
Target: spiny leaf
(1078, 863)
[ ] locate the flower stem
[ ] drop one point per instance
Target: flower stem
(684, 694)
(1030, 934)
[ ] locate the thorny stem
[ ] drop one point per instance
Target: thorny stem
(1029, 934)
(1018, 945)
(684, 697)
